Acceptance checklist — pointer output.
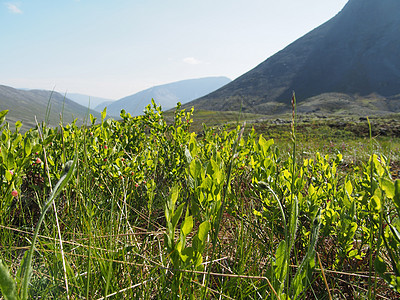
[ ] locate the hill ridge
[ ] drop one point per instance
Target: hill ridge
(24, 105)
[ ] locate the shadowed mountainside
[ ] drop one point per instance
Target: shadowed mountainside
(356, 54)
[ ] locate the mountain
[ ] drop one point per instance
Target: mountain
(167, 95)
(85, 100)
(353, 55)
(24, 105)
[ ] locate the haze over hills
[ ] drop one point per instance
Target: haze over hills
(350, 62)
(89, 101)
(167, 95)
(24, 105)
(100, 107)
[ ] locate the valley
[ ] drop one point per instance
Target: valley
(283, 183)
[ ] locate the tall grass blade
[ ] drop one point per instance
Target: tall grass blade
(48, 109)
(300, 277)
(27, 265)
(324, 277)
(62, 110)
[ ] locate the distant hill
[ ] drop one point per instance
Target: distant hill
(24, 105)
(167, 95)
(356, 54)
(85, 100)
(100, 107)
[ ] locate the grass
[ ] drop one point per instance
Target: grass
(154, 211)
(347, 135)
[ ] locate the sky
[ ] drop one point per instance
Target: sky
(113, 49)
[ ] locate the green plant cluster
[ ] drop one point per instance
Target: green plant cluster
(150, 210)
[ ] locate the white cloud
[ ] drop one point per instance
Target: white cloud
(192, 61)
(13, 8)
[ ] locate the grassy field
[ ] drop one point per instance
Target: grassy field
(164, 207)
(348, 135)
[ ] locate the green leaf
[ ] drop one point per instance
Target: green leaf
(395, 232)
(349, 188)
(187, 225)
(388, 187)
(396, 198)
(195, 169)
(50, 161)
(186, 254)
(92, 119)
(167, 213)
(204, 228)
(8, 175)
(27, 146)
(353, 253)
(189, 157)
(4, 153)
(375, 203)
(168, 242)
(280, 261)
(3, 115)
(378, 166)
(7, 283)
(193, 145)
(311, 190)
(257, 213)
(174, 194)
(280, 253)
(103, 114)
(177, 215)
(10, 161)
(18, 125)
(198, 263)
(216, 171)
(380, 265)
(265, 145)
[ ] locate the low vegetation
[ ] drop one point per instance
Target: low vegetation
(148, 209)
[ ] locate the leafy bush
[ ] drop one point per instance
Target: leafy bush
(154, 210)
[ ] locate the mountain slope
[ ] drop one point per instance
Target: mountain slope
(167, 95)
(357, 52)
(24, 105)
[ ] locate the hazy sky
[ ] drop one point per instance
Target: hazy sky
(116, 48)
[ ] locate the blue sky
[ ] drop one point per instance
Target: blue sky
(116, 48)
